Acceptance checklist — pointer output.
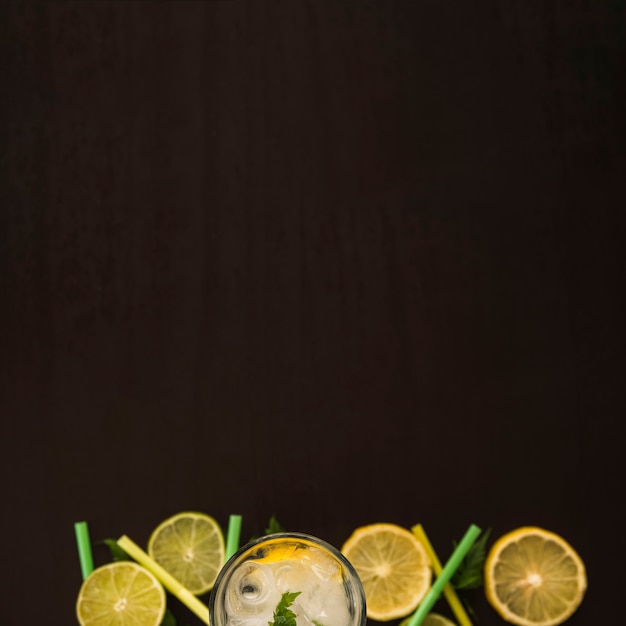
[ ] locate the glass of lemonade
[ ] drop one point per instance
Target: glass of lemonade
(287, 571)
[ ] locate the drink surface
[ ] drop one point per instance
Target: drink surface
(257, 585)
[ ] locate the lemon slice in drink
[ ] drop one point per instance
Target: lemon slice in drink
(533, 577)
(189, 546)
(121, 594)
(393, 567)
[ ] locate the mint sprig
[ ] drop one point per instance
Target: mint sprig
(469, 574)
(117, 554)
(283, 615)
(274, 526)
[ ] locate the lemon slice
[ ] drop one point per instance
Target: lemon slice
(120, 594)
(189, 546)
(281, 550)
(533, 577)
(393, 567)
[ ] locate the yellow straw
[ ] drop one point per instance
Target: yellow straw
(448, 590)
(168, 581)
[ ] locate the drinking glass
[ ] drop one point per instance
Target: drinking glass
(254, 581)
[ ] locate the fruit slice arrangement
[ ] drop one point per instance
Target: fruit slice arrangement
(531, 576)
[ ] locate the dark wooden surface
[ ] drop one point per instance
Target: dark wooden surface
(342, 262)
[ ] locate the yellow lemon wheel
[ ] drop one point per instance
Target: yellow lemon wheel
(533, 577)
(393, 567)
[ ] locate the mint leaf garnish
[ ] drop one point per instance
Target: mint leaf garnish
(274, 526)
(168, 619)
(283, 615)
(469, 574)
(117, 554)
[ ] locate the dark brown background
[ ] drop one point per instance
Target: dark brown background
(342, 262)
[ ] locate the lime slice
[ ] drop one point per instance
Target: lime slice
(393, 567)
(533, 577)
(189, 546)
(120, 594)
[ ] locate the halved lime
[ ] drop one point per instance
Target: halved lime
(189, 546)
(120, 594)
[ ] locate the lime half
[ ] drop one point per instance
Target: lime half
(189, 546)
(120, 594)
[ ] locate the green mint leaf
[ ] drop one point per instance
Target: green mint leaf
(117, 554)
(283, 615)
(168, 619)
(466, 603)
(274, 526)
(469, 574)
